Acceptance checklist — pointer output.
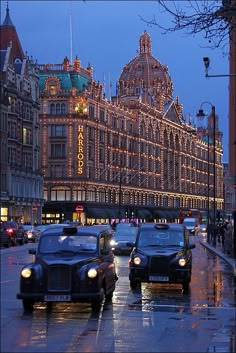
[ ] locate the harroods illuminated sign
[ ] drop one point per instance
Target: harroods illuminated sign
(80, 154)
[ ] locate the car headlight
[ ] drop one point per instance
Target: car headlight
(137, 260)
(26, 272)
(92, 273)
(113, 242)
(182, 262)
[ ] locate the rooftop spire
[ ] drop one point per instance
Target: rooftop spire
(7, 21)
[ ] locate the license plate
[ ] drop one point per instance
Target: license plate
(159, 278)
(57, 298)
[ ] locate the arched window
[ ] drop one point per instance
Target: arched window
(58, 109)
(52, 109)
(63, 109)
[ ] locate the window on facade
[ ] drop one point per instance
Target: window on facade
(58, 130)
(57, 170)
(101, 154)
(60, 194)
(102, 115)
(91, 111)
(79, 194)
(122, 124)
(101, 136)
(91, 195)
(91, 153)
(101, 196)
(91, 133)
(58, 150)
(114, 121)
(63, 109)
(58, 109)
(52, 109)
(27, 136)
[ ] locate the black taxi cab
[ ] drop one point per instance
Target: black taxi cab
(161, 254)
(71, 264)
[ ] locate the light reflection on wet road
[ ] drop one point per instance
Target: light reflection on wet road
(158, 318)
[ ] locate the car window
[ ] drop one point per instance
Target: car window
(161, 238)
(50, 244)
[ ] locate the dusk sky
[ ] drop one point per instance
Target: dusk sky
(106, 35)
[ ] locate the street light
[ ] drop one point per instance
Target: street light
(201, 114)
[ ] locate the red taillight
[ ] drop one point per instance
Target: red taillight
(10, 230)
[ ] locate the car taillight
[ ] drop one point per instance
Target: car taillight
(10, 230)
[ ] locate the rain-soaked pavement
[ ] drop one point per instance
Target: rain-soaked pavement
(158, 318)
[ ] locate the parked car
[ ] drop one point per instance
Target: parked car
(31, 232)
(15, 232)
(120, 239)
(5, 239)
(161, 254)
(72, 264)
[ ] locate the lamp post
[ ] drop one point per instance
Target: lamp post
(213, 115)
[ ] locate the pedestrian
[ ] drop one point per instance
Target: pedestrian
(228, 232)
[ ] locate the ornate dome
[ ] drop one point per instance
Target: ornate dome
(144, 78)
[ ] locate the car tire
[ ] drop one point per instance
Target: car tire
(186, 285)
(22, 242)
(13, 241)
(96, 303)
(109, 296)
(28, 305)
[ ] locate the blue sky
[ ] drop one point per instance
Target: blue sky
(106, 35)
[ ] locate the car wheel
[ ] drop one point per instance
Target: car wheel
(109, 297)
(96, 303)
(186, 286)
(22, 242)
(13, 242)
(28, 304)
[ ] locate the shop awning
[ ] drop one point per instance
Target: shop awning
(143, 213)
(96, 213)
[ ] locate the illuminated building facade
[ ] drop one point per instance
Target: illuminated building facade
(21, 181)
(130, 156)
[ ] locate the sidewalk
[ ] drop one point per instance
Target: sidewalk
(219, 251)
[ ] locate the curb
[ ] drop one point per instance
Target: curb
(226, 258)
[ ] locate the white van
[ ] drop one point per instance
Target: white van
(190, 224)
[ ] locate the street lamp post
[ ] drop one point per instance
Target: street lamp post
(213, 115)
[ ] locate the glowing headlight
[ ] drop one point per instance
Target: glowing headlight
(26, 272)
(92, 273)
(137, 260)
(113, 242)
(182, 262)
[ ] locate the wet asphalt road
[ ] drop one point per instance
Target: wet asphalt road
(158, 318)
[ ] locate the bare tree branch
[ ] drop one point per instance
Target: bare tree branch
(214, 18)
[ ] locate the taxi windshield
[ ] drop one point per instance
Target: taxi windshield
(67, 243)
(160, 238)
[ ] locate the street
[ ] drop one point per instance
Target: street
(158, 319)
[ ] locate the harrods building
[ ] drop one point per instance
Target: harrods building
(129, 156)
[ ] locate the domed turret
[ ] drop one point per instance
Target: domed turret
(144, 78)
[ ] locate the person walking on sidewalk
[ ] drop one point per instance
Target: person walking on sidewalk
(228, 231)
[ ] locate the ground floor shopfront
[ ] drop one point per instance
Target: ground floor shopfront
(90, 213)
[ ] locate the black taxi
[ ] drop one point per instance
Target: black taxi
(161, 254)
(71, 264)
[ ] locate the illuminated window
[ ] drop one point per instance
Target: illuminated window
(52, 90)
